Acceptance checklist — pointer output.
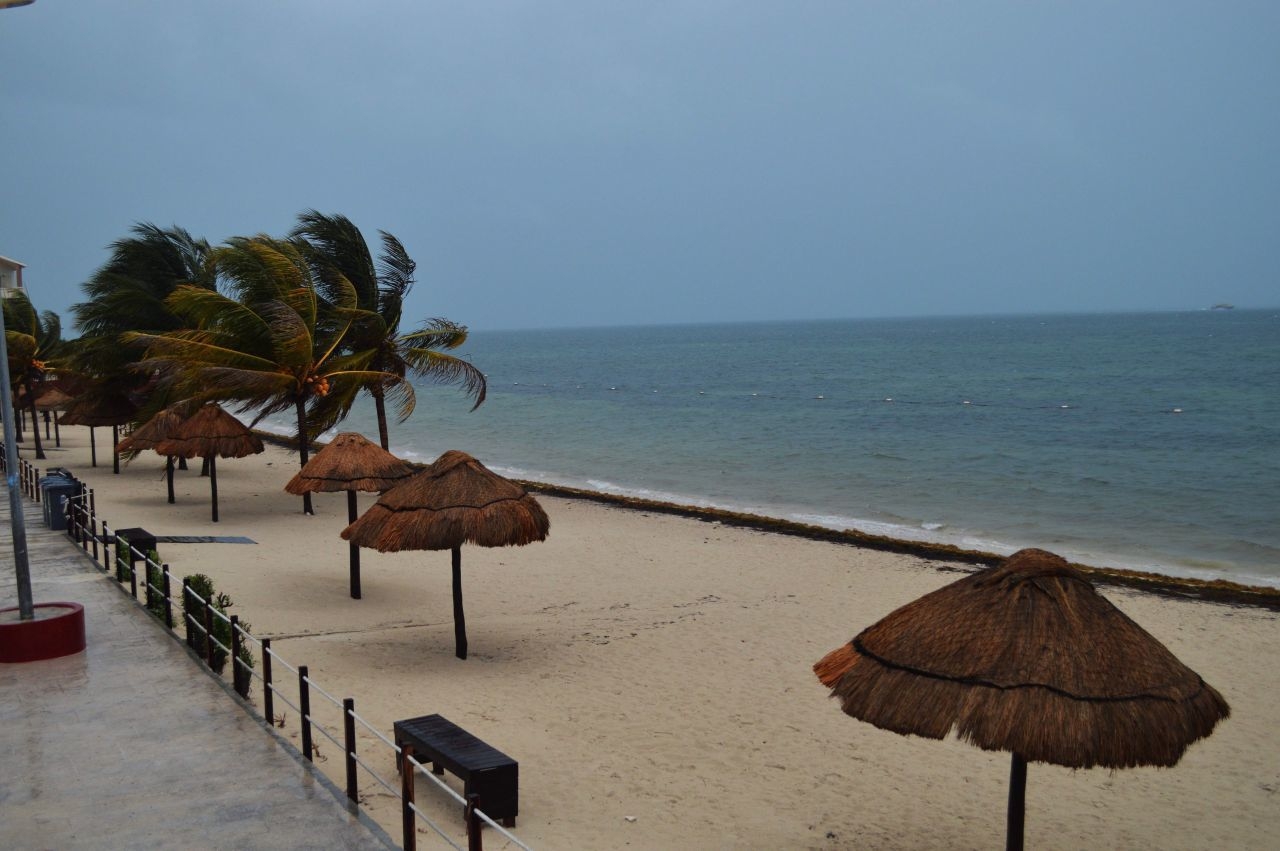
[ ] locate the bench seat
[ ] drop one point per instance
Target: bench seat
(483, 769)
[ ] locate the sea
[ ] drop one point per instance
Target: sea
(1140, 440)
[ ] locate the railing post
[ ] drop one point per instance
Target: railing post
(304, 701)
(268, 697)
(164, 587)
(37, 486)
(106, 550)
(133, 573)
(349, 736)
(235, 649)
(187, 619)
(208, 632)
(408, 820)
(474, 825)
(93, 533)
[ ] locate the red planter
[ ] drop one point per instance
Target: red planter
(57, 630)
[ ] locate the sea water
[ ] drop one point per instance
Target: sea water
(1149, 441)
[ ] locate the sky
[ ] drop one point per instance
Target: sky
(565, 164)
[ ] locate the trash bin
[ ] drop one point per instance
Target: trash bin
(54, 493)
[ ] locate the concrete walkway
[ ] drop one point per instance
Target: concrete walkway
(133, 744)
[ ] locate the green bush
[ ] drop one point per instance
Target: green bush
(155, 585)
(202, 585)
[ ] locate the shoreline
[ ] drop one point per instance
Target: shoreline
(1185, 587)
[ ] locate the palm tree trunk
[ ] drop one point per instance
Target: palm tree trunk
(380, 405)
(302, 450)
(35, 418)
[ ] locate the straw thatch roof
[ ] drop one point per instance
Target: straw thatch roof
(350, 462)
(456, 500)
(52, 399)
(96, 409)
(153, 432)
(1025, 657)
(211, 431)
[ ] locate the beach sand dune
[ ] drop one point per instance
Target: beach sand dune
(652, 675)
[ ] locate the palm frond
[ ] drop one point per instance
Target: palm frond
(447, 369)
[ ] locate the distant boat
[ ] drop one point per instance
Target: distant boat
(1223, 306)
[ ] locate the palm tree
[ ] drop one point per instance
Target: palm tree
(272, 344)
(129, 292)
(32, 339)
(380, 290)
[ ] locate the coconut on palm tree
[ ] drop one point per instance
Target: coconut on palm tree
(271, 342)
(381, 289)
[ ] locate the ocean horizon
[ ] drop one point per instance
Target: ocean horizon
(1146, 441)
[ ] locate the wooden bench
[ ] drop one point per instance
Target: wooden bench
(483, 769)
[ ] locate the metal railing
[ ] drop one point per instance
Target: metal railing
(203, 621)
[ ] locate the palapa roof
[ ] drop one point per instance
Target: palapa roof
(98, 409)
(350, 462)
(211, 431)
(456, 500)
(150, 434)
(1025, 657)
(52, 399)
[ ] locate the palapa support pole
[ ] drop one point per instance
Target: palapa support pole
(57, 435)
(408, 821)
(355, 550)
(115, 449)
(459, 621)
(1017, 803)
(168, 474)
(349, 739)
(93, 448)
(213, 484)
(268, 696)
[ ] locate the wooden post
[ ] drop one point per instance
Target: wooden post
(304, 701)
(208, 632)
(349, 738)
(115, 451)
(93, 448)
(235, 650)
(106, 550)
(36, 490)
(168, 474)
(168, 603)
(408, 819)
(459, 621)
(186, 613)
(213, 485)
(133, 571)
(1017, 803)
(268, 697)
(354, 550)
(474, 840)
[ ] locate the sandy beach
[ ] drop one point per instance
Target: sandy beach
(652, 675)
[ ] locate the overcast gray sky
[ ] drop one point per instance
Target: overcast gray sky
(594, 163)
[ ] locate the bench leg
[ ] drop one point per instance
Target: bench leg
(509, 821)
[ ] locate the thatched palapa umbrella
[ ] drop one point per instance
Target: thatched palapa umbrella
(350, 463)
(1025, 657)
(211, 433)
(52, 399)
(101, 409)
(151, 434)
(456, 500)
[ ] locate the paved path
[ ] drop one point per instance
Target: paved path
(133, 744)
